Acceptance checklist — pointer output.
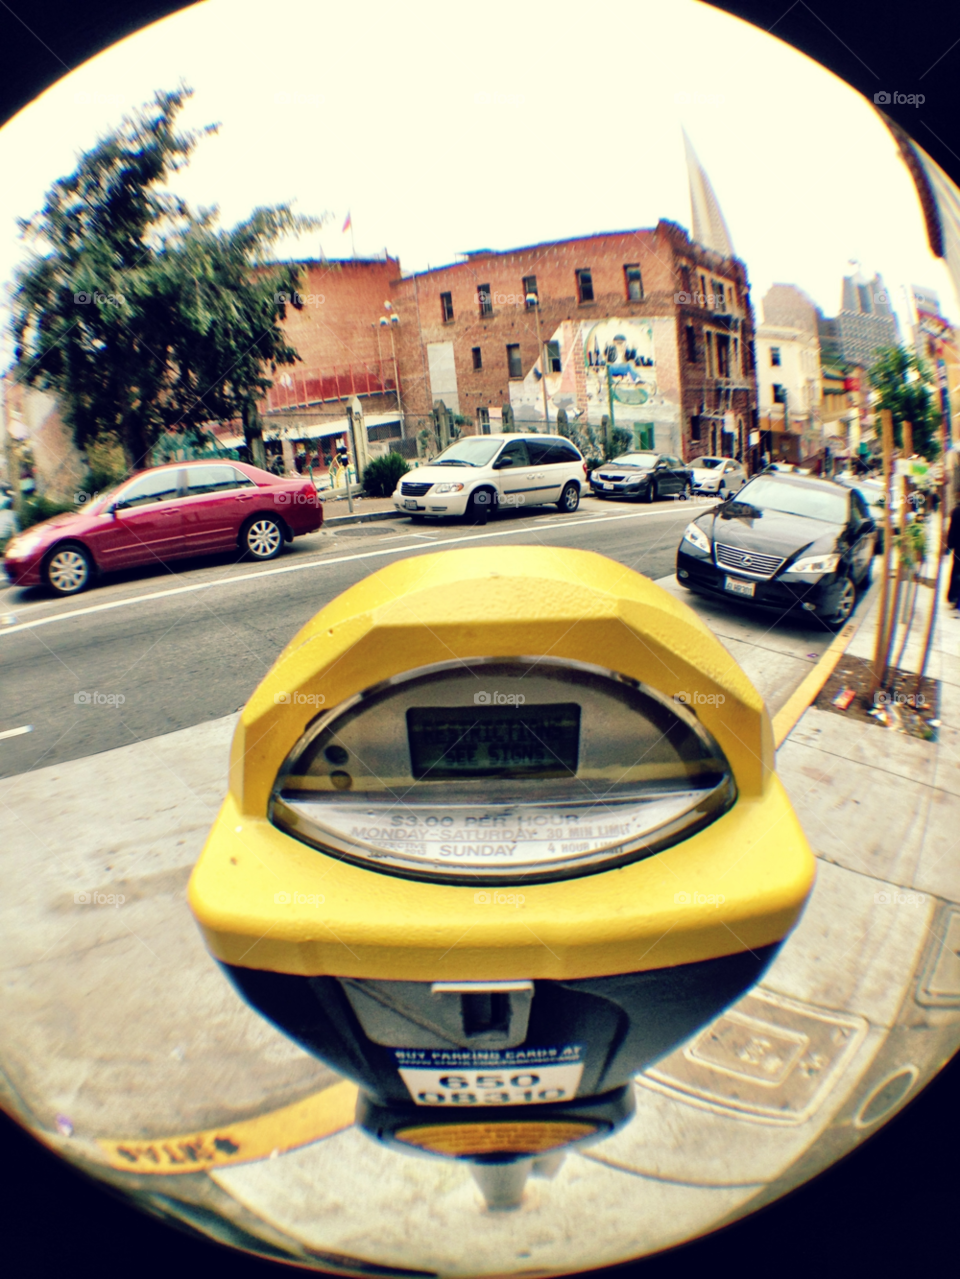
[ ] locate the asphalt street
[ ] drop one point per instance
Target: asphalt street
(153, 651)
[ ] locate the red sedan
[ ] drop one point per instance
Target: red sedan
(168, 513)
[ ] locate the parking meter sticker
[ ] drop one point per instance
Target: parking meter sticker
(493, 1077)
(466, 1140)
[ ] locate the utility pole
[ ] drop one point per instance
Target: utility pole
(533, 302)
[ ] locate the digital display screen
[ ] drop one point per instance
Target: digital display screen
(494, 741)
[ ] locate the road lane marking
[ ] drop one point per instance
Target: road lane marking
(16, 732)
(339, 559)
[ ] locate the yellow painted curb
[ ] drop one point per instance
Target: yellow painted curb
(305, 1121)
(805, 694)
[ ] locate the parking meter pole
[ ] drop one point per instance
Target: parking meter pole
(932, 620)
(880, 648)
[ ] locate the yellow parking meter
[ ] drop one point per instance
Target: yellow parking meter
(502, 829)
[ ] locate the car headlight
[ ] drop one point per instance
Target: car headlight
(24, 543)
(447, 488)
(816, 564)
(697, 536)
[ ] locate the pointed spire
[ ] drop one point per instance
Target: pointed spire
(709, 228)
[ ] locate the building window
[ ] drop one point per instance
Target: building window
(634, 282)
(514, 367)
(736, 357)
(585, 286)
(477, 357)
(446, 306)
(779, 394)
(485, 298)
(691, 344)
(703, 291)
(718, 301)
(483, 421)
(708, 347)
(685, 280)
(723, 355)
(530, 286)
(553, 358)
(775, 356)
(695, 427)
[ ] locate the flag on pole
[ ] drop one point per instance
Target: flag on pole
(347, 225)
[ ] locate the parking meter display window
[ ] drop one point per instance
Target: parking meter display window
(494, 741)
(502, 769)
(465, 1078)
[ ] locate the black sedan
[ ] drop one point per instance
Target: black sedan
(644, 476)
(784, 542)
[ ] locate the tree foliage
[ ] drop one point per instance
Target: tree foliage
(905, 385)
(140, 314)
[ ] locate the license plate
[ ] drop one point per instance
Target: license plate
(608, 486)
(519, 1077)
(739, 588)
(410, 504)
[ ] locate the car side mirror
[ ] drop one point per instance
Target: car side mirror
(502, 462)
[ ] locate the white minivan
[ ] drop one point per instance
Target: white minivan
(479, 473)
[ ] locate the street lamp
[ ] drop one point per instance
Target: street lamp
(391, 321)
(533, 304)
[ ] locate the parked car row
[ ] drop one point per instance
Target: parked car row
(167, 513)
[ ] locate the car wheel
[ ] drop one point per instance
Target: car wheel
(263, 538)
(686, 493)
(481, 506)
(68, 570)
(569, 499)
(651, 493)
(848, 597)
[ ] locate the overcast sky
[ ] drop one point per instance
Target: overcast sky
(444, 128)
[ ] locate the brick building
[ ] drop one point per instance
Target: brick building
(646, 327)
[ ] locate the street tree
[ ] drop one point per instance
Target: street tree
(140, 314)
(905, 385)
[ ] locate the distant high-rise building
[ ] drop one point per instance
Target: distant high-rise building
(709, 227)
(866, 322)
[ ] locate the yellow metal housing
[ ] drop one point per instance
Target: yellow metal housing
(265, 900)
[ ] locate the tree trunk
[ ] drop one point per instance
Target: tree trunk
(253, 434)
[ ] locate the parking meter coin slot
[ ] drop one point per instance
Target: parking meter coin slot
(562, 769)
(407, 1014)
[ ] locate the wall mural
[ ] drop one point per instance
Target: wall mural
(621, 351)
(616, 348)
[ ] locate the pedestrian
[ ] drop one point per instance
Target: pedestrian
(953, 544)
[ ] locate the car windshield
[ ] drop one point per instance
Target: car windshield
(707, 463)
(474, 451)
(795, 498)
(644, 460)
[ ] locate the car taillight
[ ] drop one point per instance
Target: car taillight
(585, 470)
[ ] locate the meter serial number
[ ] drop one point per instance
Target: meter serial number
(466, 1088)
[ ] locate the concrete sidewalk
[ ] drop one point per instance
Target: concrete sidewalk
(126, 1029)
